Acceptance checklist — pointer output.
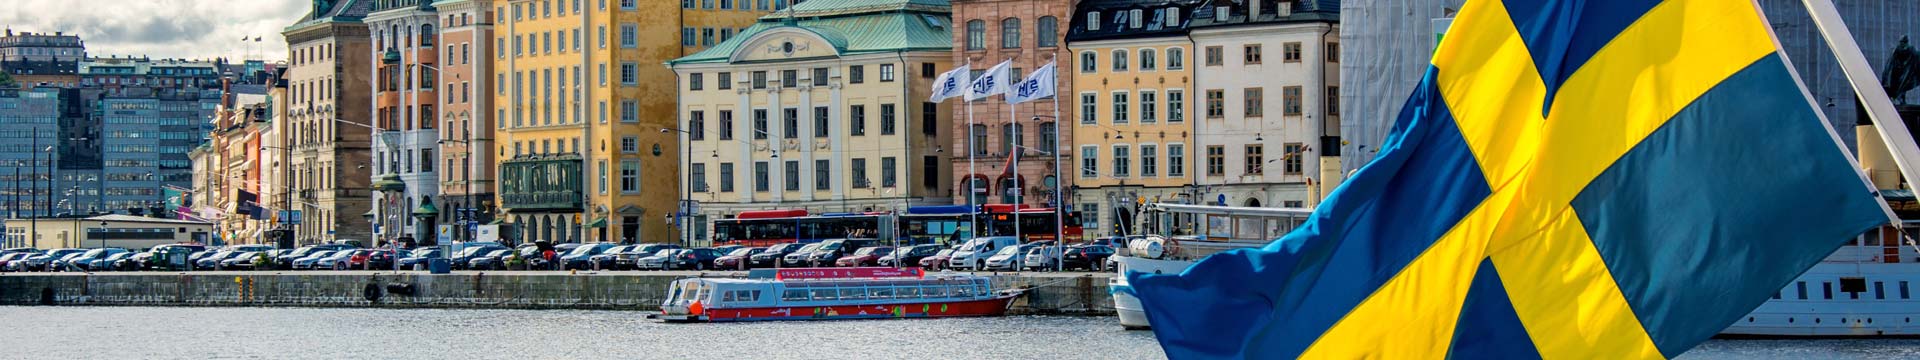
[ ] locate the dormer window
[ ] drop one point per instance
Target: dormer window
(1093, 21)
(1133, 18)
(1173, 17)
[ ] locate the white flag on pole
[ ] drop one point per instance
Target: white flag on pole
(951, 83)
(1037, 86)
(994, 81)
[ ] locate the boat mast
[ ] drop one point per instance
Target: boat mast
(1879, 107)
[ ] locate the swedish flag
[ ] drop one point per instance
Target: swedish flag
(1585, 179)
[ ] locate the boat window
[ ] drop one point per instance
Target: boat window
(1872, 237)
(673, 292)
(1803, 290)
(1828, 288)
(880, 293)
(1879, 290)
(794, 295)
(824, 294)
(853, 294)
(962, 291)
(753, 295)
(728, 296)
(1903, 289)
(909, 292)
(934, 291)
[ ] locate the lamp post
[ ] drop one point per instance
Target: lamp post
(466, 209)
(686, 196)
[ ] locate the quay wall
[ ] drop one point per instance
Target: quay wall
(1060, 294)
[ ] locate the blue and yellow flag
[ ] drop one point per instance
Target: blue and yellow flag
(1573, 179)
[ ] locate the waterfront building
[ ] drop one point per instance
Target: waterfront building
(1029, 33)
(236, 161)
(111, 230)
(406, 112)
(115, 74)
(31, 117)
(1262, 140)
(466, 116)
(329, 102)
(41, 59)
(1133, 92)
(820, 107)
(577, 79)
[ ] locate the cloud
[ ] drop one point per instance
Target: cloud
(190, 29)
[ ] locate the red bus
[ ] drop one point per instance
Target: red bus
(769, 227)
(1035, 224)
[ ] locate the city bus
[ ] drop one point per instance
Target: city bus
(1035, 224)
(769, 227)
(937, 224)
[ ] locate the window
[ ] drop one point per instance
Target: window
(1049, 138)
(820, 121)
(1120, 107)
(603, 75)
(822, 175)
(1253, 102)
(886, 172)
(791, 173)
(1010, 33)
(976, 35)
(630, 176)
(791, 118)
(695, 81)
(789, 78)
(1255, 160)
(1176, 106)
(1214, 55)
(760, 124)
(724, 81)
(1216, 160)
(856, 74)
(629, 145)
(1089, 108)
(760, 176)
(1010, 137)
(629, 74)
(930, 165)
(1290, 52)
(1333, 52)
(1133, 18)
(759, 80)
(1252, 53)
(1333, 100)
(858, 115)
(859, 173)
(886, 72)
(979, 144)
(628, 4)
(1088, 61)
(629, 111)
(1122, 167)
(929, 118)
(1292, 95)
(1176, 59)
(697, 177)
(726, 177)
(887, 123)
(697, 126)
(1119, 60)
(1216, 104)
(603, 175)
(1093, 21)
(726, 124)
(1294, 158)
(1149, 160)
(1149, 104)
(1047, 32)
(629, 36)
(1089, 161)
(1176, 160)
(819, 76)
(1148, 59)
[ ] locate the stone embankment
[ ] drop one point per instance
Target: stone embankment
(1051, 293)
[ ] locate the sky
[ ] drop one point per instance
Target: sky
(187, 29)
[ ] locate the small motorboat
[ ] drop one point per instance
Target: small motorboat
(833, 293)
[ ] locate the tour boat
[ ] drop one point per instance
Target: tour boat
(833, 293)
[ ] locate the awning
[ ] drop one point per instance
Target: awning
(426, 209)
(390, 183)
(598, 222)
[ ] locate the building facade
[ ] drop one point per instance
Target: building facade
(406, 111)
(466, 116)
(1028, 32)
(41, 59)
(1132, 108)
(31, 117)
(822, 107)
(120, 231)
(1262, 140)
(328, 109)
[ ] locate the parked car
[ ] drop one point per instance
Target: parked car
(938, 260)
(771, 256)
(471, 250)
(242, 261)
(1090, 257)
(110, 263)
(831, 250)
(580, 256)
(692, 259)
(417, 259)
(489, 261)
(657, 261)
(727, 249)
(307, 263)
(85, 262)
(973, 254)
(1045, 257)
(737, 259)
(340, 260)
(212, 261)
(559, 253)
(605, 260)
(158, 257)
(863, 257)
(39, 262)
(627, 259)
(286, 259)
(373, 259)
(7, 258)
(799, 258)
(908, 255)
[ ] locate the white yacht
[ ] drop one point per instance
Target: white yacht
(1866, 288)
(1183, 235)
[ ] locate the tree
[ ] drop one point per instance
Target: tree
(6, 80)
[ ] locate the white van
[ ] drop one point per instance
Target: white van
(973, 254)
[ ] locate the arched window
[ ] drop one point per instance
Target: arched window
(1176, 59)
(1087, 61)
(1010, 135)
(1147, 59)
(978, 195)
(976, 35)
(1010, 33)
(1047, 32)
(1119, 60)
(426, 34)
(1009, 186)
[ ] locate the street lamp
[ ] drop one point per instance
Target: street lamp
(466, 209)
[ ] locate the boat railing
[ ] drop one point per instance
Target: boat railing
(819, 291)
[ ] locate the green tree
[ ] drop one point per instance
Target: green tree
(7, 80)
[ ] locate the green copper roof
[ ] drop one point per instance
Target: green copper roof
(853, 27)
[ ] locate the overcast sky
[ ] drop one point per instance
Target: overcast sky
(191, 29)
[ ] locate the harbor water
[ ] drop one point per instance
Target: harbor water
(112, 332)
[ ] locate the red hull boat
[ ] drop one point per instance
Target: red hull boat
(827, 294)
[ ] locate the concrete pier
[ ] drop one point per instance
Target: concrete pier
(1052, 293)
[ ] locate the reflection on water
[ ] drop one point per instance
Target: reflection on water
(305, 333)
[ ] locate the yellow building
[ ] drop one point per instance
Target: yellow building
(1133, 112)
(576, 79)
(822, 108)
(115, 230)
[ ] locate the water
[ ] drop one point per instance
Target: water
(309, 333)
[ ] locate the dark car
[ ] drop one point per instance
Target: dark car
(736, 259)
(692, 259)
(417, 259)
(489, 261)
(10, 257)
(631, 258)
(539, 261)
(466, 255)
(579, 257)
(771, 256)
(863, 257)
(832, 250)
(1090, 257)
(285, 259)
(241, 261)
(800, 257)
(909, 256)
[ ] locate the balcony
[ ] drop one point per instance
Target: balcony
(541, 183)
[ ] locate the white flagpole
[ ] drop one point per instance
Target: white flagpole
(1013, 167)
(973, 226)
(1060, 199)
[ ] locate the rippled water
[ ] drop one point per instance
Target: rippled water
(305, 333)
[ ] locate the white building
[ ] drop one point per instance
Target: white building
(1267, 89)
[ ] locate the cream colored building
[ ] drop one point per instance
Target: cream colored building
(1132, 110)
(329, 95)
(822, 108)
(121, 231)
